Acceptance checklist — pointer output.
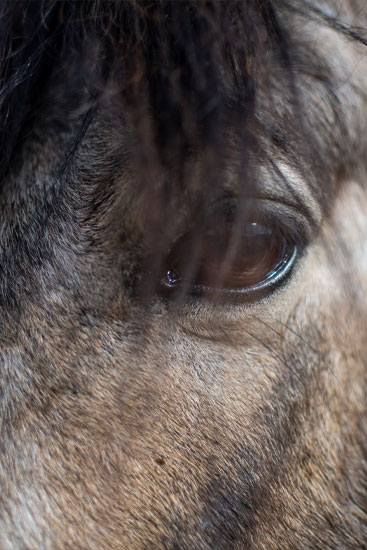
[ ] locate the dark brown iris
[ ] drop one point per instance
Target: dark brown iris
(223, 259)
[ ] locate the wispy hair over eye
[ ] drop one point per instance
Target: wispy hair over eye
(210, 89)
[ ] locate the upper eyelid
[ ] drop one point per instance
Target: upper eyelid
(283, 221)
(289, 219)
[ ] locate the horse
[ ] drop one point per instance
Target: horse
(183, 275)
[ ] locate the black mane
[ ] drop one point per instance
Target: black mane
(168, 52)
(187, 70)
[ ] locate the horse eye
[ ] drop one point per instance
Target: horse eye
(228, 264)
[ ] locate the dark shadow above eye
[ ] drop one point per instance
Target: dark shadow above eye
(226, 263)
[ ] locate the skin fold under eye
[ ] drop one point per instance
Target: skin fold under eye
(226, 263)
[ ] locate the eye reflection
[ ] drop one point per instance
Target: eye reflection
(222, 260)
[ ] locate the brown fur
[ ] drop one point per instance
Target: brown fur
(130, 422)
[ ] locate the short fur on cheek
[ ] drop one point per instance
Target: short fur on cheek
(133, 419)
